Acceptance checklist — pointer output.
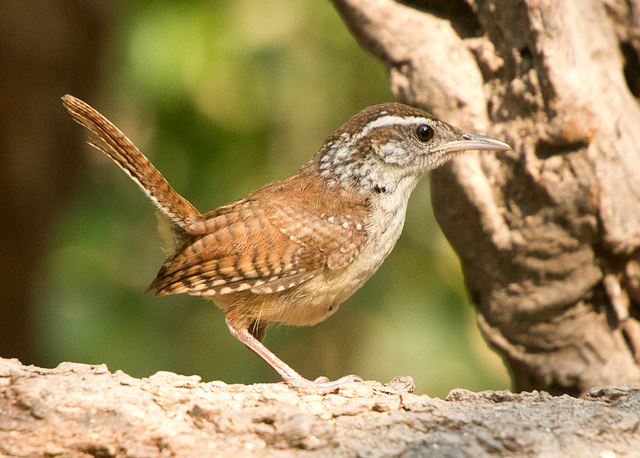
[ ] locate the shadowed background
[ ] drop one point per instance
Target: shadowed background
(222, 96)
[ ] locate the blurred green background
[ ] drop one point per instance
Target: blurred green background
(224, 96)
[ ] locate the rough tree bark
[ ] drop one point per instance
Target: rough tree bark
(549, 233)
(77, 410)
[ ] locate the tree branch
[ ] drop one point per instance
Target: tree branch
(82, 410)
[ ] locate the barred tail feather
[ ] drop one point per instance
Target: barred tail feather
(112, 142)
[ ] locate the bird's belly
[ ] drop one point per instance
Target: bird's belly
(320, 297)
(312, 301)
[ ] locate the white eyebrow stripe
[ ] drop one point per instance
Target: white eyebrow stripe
(390, 120)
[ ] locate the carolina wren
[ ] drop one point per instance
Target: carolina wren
(294, 250)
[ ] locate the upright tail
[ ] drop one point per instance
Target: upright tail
(111, 141)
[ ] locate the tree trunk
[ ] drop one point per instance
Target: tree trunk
(548, 234)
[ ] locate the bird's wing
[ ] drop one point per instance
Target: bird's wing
(262, 245)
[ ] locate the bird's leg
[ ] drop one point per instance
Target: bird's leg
(289, 376)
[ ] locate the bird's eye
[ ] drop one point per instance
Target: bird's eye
(424, 132)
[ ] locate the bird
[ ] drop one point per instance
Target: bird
(293, 250)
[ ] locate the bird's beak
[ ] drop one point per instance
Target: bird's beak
(472, 141)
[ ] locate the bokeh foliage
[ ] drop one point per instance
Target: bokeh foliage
(224, 96)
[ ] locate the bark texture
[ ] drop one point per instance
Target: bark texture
(548, 234)
(77, 410)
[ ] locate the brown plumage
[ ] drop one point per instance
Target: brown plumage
(268, 242)
(294, 250)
